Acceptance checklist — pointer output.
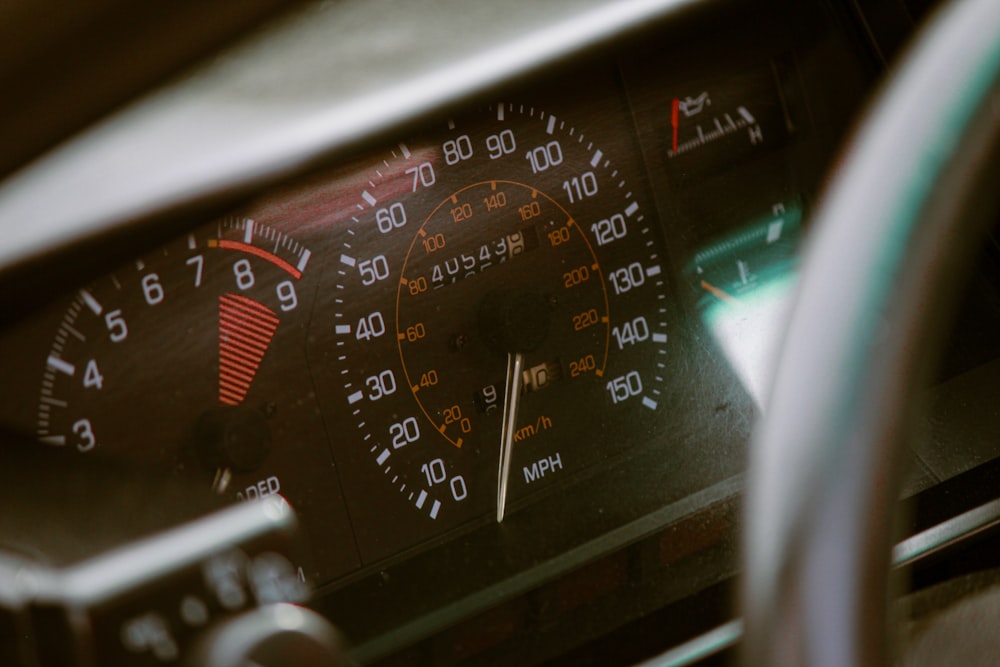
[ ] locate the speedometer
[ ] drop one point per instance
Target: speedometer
(497, 324)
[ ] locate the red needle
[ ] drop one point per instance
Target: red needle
(675, 119)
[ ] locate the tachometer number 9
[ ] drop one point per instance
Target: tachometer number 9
(286, 295)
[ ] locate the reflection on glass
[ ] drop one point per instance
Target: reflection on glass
(744, 282)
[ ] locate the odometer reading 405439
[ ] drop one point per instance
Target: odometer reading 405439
(499, 319)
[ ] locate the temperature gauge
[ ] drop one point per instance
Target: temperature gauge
(754, 258)
(743, 282)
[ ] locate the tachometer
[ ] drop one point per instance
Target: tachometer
(191, 360)
(503, 268)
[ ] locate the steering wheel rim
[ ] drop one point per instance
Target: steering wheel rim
(891, 238)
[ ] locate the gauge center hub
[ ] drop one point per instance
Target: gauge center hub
(515, 320)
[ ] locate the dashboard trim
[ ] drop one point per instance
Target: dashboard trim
(186, 143)
(614, 540)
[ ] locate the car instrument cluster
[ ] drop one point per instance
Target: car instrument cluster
(519, 328)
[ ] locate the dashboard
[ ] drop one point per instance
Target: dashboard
(499, 344)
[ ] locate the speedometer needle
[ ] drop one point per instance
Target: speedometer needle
(511, 402)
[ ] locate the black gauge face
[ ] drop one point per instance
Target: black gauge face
(512, 233)
(191, 360)
(537, 289)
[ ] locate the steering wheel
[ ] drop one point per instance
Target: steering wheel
(917, 185)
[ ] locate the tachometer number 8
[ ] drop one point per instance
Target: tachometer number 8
(244, 274)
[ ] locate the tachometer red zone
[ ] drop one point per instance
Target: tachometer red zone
(246, 328)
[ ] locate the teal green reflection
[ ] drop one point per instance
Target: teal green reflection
(744, 282)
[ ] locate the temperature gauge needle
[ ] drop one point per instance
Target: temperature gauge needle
(511, 403)
(719, 294)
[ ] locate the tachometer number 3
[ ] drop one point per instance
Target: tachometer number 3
(85, 432)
